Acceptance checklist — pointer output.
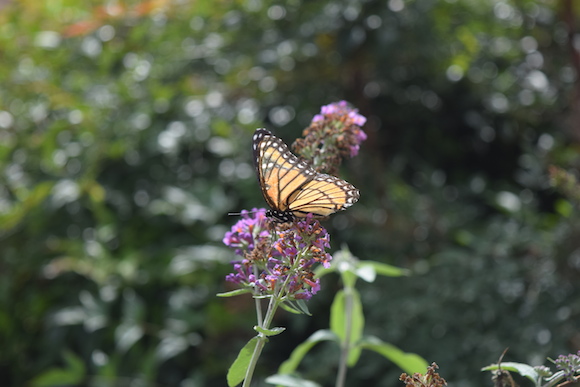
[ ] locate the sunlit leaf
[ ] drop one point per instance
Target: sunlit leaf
(269, 332)
(290, 381)
(522, 369)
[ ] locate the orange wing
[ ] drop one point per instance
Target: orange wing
(293, 189)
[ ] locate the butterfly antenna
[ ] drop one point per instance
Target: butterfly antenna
(239, 213)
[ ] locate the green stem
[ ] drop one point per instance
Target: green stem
(258, 301)
(275, 300)
(262, 339)
(345, 346)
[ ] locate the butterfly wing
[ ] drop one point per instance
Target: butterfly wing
(280, 173)
(323, 196)
(291, 187)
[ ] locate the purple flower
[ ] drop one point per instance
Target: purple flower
(335, 133)
(245, 233)
(282, 268)
(343, 110)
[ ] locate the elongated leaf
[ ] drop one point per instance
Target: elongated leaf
(269, 332)
(301, 350)
(233, 293)
(520, 368)
(408, 362)
(384, 269)
(237, 371)
(366, 272)
(290, 308)
(297, 307)
(303, 307)
(339, 318)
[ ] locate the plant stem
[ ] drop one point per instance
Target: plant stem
(345, 346)
(255, 356)
(258, 301)
(272, 306)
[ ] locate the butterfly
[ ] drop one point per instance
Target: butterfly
(291, 187)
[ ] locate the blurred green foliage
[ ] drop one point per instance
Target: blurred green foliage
(125, 139)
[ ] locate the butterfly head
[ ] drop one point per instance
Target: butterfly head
(280, 216)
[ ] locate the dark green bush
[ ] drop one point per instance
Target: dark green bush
(125, 140)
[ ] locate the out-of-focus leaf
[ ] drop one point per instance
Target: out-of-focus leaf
(73, 374)
(347, 322)
(384, 269)
(522, 369)
(302, 349)
(408, 362)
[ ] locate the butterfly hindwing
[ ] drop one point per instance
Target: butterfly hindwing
(323, 196)
(291, 187)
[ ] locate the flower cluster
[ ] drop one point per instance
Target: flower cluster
(333, 134)
(248, 231)
(570, 364)
(282, 268)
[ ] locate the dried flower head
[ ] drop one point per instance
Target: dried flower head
(430, 379)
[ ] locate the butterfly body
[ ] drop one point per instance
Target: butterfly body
(291, 187)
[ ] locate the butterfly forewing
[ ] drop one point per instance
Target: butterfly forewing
(280, 173)
(291, 187)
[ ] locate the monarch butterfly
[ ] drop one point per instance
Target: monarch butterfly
(291, 187)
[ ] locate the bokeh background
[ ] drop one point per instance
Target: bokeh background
(125, 133)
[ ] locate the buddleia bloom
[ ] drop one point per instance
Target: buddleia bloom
(283, 267)
(334, 134)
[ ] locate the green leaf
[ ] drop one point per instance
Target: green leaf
(348, 277)
(290, 381)
(408, 362)
(290, 308)
(303, 307)
(301, 350)
(237, 371)
(73, 374)
(564, 208)
(269, 332)
(520, 368)
(127, 334)
(366, 272)
(27, 202)
(340, 316)
(233, 293)
(384, 269)
(297, 307)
